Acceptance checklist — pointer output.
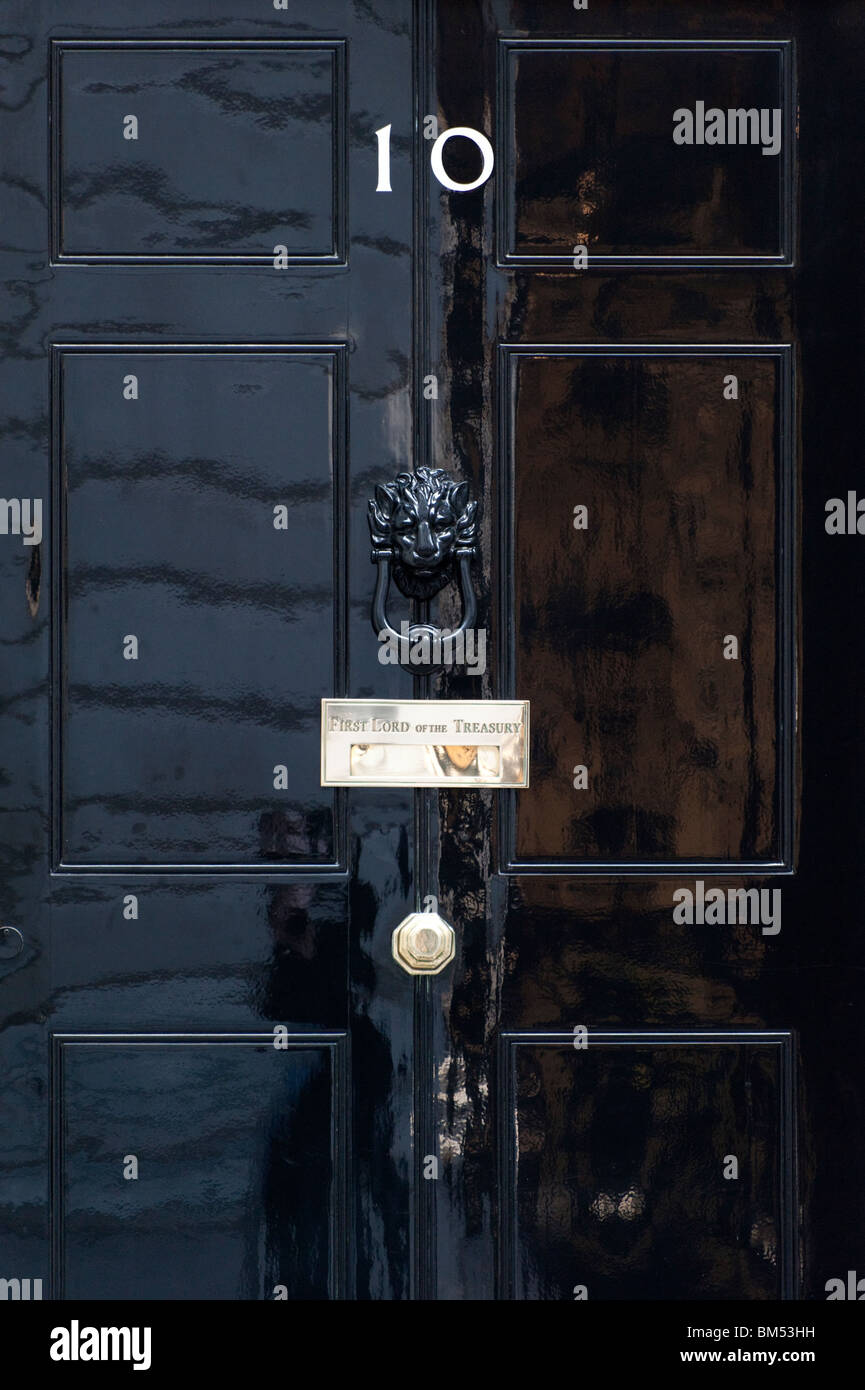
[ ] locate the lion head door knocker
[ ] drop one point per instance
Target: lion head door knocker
(424, 533)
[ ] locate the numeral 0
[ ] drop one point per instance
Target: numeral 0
(437, 159)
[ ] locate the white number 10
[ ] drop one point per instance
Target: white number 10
(436, 159)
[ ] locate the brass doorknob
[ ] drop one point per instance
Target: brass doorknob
(424, 943)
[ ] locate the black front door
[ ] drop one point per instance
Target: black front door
(248, 278)
(209, 310)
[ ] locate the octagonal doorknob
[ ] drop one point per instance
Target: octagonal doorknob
(424, 943)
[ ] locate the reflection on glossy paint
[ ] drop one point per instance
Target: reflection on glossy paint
(622, 624)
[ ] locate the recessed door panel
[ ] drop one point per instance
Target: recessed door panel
(645, 152)
(169, 151)
(200, 604)
(649, 530)
(647, 1166)
(170, 1161)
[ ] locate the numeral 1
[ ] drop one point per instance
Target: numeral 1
(383, 138)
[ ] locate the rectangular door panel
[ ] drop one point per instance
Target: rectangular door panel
(169, 1155)
(180, 151)
(647, 522)
(589, 155)
(648, 1165)
(199, 618)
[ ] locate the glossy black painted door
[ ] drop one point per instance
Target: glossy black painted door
(635, 1104)
(218, 338)
(205, 303)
